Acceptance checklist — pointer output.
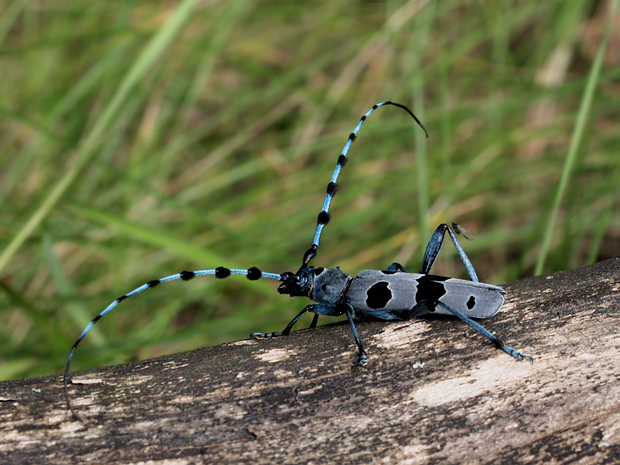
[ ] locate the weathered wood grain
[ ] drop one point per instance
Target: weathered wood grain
(433, 391)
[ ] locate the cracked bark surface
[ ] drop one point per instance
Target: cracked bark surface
(433, 391)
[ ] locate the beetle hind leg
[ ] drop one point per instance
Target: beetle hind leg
(494, 339)
(434, 247)
(516, 354)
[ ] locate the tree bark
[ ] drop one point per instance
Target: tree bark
(434, 391)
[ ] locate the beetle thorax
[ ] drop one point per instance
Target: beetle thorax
(328, 285)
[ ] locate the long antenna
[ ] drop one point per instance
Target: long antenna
(252, 274)
(332, 187)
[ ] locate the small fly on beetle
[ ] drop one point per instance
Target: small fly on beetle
(390, 294)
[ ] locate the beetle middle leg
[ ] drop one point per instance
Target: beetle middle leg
(395, 268)
(363, 357)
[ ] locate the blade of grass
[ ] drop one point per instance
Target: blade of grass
(37, 144)
(420, 39)
(353, 69)
(584, 109)
(73, 306)
(149, 236)
(230, 17)
(604, 220)
(12, 368)
(145, 61)
(34, 314)
(8, 17)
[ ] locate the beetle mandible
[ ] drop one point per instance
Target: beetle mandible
(390, 294)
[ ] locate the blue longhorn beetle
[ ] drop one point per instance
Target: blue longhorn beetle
(391, 294)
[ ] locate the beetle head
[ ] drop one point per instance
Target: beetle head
(297, 284)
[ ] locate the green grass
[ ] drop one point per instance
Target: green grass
(140, 139)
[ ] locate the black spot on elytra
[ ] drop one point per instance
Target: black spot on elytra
(378, 295)
(430, 289)
(471, 302)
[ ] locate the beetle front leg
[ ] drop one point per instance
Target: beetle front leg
(317, 309)
(286, 330)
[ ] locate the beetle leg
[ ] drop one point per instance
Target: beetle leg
(363, 357)
(434, 247)
(286, 330)
(395, 268)
(494, 339)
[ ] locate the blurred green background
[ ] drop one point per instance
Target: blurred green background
(142, 138)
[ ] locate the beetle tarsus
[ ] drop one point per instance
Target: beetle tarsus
(516, 354)
(266, 335)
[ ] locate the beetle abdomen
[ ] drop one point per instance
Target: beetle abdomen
(376, 292)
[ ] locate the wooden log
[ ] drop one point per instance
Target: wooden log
(433, 391)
